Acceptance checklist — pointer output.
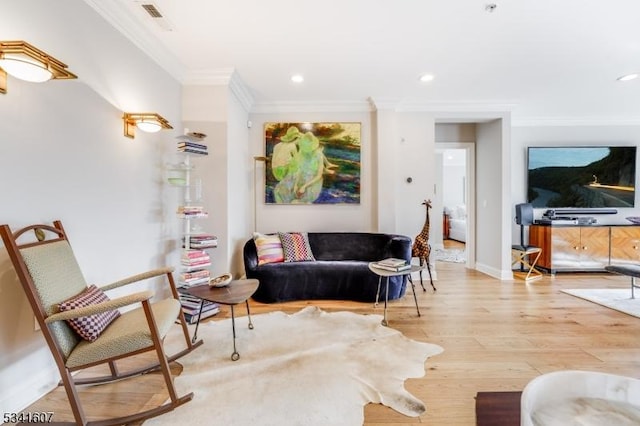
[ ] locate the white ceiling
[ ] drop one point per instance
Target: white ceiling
(542, 59)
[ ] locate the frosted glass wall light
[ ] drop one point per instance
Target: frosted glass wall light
(26, 62)
(149, 122)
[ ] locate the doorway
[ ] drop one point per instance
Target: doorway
(455, 200)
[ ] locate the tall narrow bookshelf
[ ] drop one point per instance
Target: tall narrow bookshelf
(195, 259)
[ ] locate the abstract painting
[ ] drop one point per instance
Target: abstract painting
(312, 163)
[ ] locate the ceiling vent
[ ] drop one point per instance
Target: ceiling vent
(156, 16)
(152, 10)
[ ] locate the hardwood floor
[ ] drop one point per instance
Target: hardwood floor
(496, 335)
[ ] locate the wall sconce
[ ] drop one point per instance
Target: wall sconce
(28, 63)
(149, 122)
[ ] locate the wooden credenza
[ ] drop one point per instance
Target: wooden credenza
(585, 248)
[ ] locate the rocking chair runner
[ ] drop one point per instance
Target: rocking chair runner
(49, 274)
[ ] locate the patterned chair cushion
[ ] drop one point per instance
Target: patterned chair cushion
(296, 246)
(89, 327)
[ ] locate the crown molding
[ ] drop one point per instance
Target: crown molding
(222, 77)
(121, 19)
(209, 77)
(456, 106)
(311, 106)
(378, 104)
(574, 121)
(241, 91)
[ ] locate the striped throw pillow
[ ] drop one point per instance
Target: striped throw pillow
(269, 248)
(296, 246)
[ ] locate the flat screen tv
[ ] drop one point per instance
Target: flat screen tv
(581, 177)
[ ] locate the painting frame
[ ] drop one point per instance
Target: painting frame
(312, 162)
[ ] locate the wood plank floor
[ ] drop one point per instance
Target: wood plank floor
(496, 335)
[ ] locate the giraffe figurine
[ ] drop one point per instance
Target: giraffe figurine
(421, 247)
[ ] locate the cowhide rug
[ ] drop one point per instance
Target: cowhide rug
(309, 368)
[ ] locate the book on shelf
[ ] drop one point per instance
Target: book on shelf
(196, 281)
(195, 258)
(193, 215)
(190, 210)
(193, 151)
(188, 144)
(197, 237)
(194, 254)
(392, 261)
(194, 307)
(193, 318)
(185, 276)
(192, 137)
(189, 268)
(201, 276)
(191, 306)
(191, 302)
(189, 299)
(204, 244)
(195, 261)
(399, 268)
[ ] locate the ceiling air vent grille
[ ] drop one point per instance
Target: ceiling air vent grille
(152, 10)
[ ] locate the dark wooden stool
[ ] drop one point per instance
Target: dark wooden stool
(498, 408)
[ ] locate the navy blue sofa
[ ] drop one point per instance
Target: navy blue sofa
(340, 271)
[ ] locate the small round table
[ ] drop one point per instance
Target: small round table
(236, 292)
(387, 273)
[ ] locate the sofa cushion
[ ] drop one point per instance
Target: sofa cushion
(368, 247)
(296, 246)
(269, 247)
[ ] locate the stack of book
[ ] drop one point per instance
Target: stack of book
(203, 241)
(192, 143)
(191, 308)
(201, 276)
(192, 260)
(190, 212)
(393, 264)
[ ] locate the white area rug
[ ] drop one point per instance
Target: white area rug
(309, 368)
(618, 299)
(450, 255)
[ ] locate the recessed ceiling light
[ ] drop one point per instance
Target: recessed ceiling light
(628, 77)
(297, 78)
(426, 77)
(491, 7)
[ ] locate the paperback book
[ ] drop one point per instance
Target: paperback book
(392, 261)
(193, 318)
(398, 268)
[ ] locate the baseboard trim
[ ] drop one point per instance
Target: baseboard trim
(502, 275)
(22, 394)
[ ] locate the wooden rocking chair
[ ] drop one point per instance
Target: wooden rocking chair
(50, 276)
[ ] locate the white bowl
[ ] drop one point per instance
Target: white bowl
(221, 281)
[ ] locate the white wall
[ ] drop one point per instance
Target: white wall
(240, 184)
(492, 205)
(415, 159)
(63, 156)
(523, 137)
(454, 180)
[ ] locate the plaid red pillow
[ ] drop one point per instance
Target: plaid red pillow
(89, 327)
(296, 246)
